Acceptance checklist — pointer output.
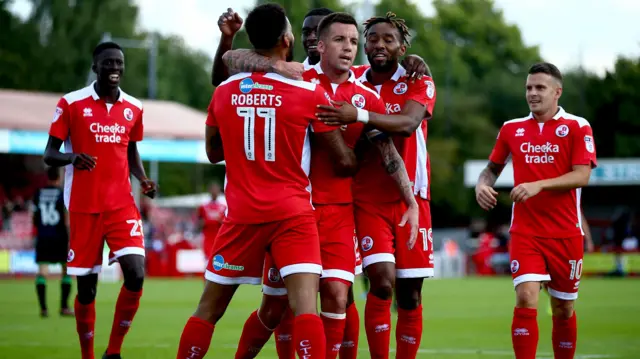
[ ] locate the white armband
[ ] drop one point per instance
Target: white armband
(363, 116)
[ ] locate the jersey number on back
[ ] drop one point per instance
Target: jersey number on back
(49, 214)
(269, 115)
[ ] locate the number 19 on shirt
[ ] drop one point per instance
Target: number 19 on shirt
(269, 116)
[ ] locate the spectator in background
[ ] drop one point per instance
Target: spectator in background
(620, 229)
(210, 216)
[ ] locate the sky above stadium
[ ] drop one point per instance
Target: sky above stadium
(569, 32)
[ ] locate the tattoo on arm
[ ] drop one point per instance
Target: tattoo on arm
(394, 166)
(490, 174)
(244, 60)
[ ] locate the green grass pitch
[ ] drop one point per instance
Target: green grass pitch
(463, 319)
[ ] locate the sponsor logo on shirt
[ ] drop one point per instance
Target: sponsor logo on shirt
(220, 264)
(393, 108)
(539, 153)
(87, 112)
(107, 134)
(520, 132)
(247, 85)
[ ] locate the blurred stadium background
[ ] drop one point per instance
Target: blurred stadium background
(479, 62)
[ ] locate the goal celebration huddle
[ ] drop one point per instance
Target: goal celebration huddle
(327, 178)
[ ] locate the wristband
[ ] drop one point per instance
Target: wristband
(363, 116)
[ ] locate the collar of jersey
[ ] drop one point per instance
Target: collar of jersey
(396, 76)
(307, 65)
(558, 115)
(352, 76)
(96, 97)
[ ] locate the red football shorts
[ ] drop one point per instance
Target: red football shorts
(207, 244)
(335, 228)
(120, 228)
(554, 260)
(239, 250)
(382, 240)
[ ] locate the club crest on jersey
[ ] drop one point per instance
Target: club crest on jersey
(366, 243)
(562, 131)
(57, 115)
(274, 275)
(431, 88)
(400, 88)
(358, 100)
(515, 266)
(71, 255)
(588, 142)
(128, 114)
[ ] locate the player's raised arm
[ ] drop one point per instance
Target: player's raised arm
(243, 60)
(229, 23)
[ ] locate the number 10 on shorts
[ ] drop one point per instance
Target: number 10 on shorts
(576, 269)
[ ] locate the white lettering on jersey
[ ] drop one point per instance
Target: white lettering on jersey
(539, 153)
(107, 134)
(393, 108)
(256, 99)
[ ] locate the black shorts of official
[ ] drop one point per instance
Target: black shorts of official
(52, 250)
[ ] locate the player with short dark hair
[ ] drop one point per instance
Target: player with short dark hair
(100, 126)
(259, 124)
(390, 263)
(50, 223)
(553, 153)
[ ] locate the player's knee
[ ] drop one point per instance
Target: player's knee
(409, 300)
(87, 289)
(272, 311)
(562, 309)
(334, 297)
(527, 295)
(382, 288)
(133, 273)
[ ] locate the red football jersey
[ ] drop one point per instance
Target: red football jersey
(264, 121)
(212, 214)
(542, 151)
(327, 187)
(87, 124)
(395, 93)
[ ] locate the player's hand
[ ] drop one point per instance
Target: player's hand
(341, 113)
(486, 197)
(83, 161)
(524, 191)
(291, 70)
(229, 23)
(415, 66)
(411, 216)
(149, 188)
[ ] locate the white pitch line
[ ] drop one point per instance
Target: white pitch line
(505, 353)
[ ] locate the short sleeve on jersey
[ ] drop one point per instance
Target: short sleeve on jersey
(211, 117)
(61, 121)
(500, 152)
(321, 97)
(584, 147)
(137, 131)
(423, 92)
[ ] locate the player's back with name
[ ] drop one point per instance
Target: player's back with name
(264, 122)
(49, 212)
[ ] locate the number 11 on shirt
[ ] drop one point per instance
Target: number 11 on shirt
(249, 115)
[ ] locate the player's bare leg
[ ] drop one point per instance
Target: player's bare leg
(128, 302)
(349, 348)
(377, 312)
(41, 289)
(260, 325)
(565, 329)
(65, 291)
(197, 333)
(308, 330)
(409, 326)
(333, 303)
(524, 327)
(86, 313)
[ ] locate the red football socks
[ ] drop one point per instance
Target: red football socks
(308, 336)
(408, 332)
(334, 332)
(254, 336)
(564, 337)
(524, 333)
(377, 323)
(126, 308)
(349, 348)
(85, 326)
(284, 337)
(195, 339)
